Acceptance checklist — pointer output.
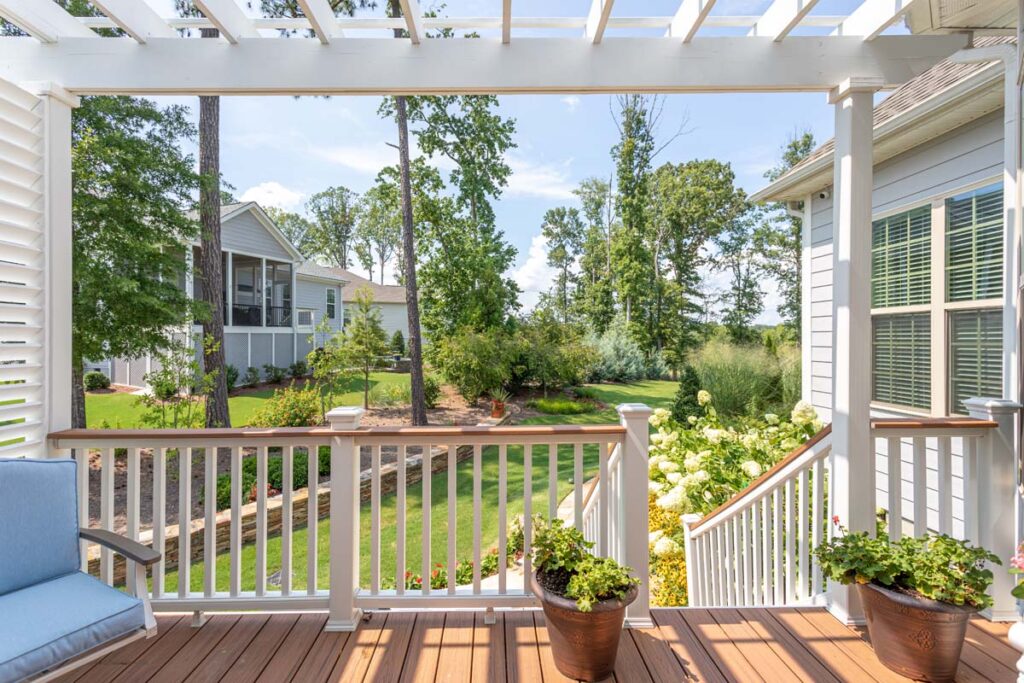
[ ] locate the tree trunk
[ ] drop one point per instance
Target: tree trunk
(77, 394)
(210, 264)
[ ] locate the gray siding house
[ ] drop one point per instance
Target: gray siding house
(388, 299)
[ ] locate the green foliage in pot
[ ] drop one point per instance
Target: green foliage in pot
(936, 567)
(565, 566)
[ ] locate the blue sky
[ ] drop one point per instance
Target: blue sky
(278, 151)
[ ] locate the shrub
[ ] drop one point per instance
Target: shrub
(745, 380)
(289, 407)
(685, 403)
(298, 369)
(388, 395)
(431, 390)
(549, 354)
(474, 362)
(95, 380)
(585, 393)
(274, 374)
(398, 343)
(618, 357)
(559, 406)
(231, 376)
(656, 367)
(252, 376)
(275, 474)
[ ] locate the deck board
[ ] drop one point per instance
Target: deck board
(689, 645)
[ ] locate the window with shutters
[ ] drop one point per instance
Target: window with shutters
(936, 297)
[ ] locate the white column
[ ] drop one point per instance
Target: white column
(805, 298)
(344, 552)
(229, 285)
(995, 505)
(1012, 155)
(633, 507)
(852, 461)
(56, 277)
(263, 292)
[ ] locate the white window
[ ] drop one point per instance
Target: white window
(332, 311)
(936, 297)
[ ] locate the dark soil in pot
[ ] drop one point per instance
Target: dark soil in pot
(914, 636)
(584, 644)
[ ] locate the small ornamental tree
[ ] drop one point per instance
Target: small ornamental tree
(398, 343)
(365, 339)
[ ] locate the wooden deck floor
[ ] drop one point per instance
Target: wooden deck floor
(689, 644)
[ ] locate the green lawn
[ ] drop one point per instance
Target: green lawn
(123, 411)
(655, 393)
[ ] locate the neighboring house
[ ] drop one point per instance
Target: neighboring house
(274, 299)
(390, 299)
(944, 265)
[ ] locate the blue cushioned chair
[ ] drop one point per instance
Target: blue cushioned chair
(53, 616)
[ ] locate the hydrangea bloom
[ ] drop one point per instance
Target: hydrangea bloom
(803, 414)
(666, 546)
(703, 397)
(751, 468)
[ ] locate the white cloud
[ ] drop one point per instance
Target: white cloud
(535, 275)
(546, 181)
(273, 193)
(368, 159)
(571, 101)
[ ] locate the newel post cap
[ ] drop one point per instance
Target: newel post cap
(634, 410)
(345, 417)
(991, 406)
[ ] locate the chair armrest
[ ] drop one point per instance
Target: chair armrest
(122, 545)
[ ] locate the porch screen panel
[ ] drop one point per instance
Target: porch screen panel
(974, 245)
(975, 356)
(901, 259)
(901, 360)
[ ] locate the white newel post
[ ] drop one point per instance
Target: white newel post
(344, 537)
(633, 507)
(996, 501)
(851, 479)
(692, 578)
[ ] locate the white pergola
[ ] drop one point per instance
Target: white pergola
(786, 49)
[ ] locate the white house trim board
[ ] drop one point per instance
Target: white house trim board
(384, 67)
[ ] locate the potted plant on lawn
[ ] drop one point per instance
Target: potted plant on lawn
(499, 397)
(584, 600)
(918, 595)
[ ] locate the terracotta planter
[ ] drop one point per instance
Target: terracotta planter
(915, 637)
(584, 644)
(497, 409)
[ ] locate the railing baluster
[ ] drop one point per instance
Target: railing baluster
(107, 512)
(604, 511)
(527, 512)
(745, 550)
(552, 481)
(502, 514)
(261, 521)
(312, 518)
(971, 492)
(920, 486)
(716, 567)
(184, 522)
(790, 533)
(287, 484)
(804, 559)
(235, 532)
(707, 595)
(400, 524)
(778, 596)
(945, 486)
(426, 468)
(894, 461)
(757, 593)
(159, 517)
(374, 519)
(577, 479)
(210, 523)
(477, 515)
(452, 499)
(818, 519)
(734, 564)
(766, 550)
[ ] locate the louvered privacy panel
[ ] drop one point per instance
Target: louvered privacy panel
(21, 271)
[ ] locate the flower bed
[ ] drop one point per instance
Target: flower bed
(697, 465)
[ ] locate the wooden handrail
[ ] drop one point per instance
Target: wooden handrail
(926, 423)
(790, 457)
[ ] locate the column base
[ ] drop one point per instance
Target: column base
(638, 622)
(344, 625)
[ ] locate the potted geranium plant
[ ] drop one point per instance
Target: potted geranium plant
(918, 595)
(584, 599)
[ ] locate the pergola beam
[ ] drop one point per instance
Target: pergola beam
(506, 21)
(597, 20)
(689, 18)
(135, 18)
(872, 17)
(228, 17)
(413, 20)
(321, 19)
(781, 18)
(47, 22)
(374, 66)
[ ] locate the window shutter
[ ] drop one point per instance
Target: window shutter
(974, 245)
(901, 360)
(975, 356)
(901, 259)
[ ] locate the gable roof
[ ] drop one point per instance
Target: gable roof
(382, 294)
(311, 269)
(229, 211)
(945, 97)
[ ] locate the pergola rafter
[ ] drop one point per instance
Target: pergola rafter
(413, 20)
(873, 17)
(47, 22)
(689, 18)
(137, 19)
(781, 17)
(229, 19)
(597, 19)
(321, 19)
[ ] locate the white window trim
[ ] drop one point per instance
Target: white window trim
(327, 303)
(938, 307)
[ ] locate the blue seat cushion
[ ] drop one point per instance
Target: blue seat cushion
(38, 522)
(51, 622)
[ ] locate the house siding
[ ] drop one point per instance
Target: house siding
(313, 294)
(393, 317)
(963, 157)
(246, 235)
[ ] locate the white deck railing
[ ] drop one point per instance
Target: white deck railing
(252, 528)
(756, 549)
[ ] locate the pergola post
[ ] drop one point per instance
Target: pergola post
(851, 480)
